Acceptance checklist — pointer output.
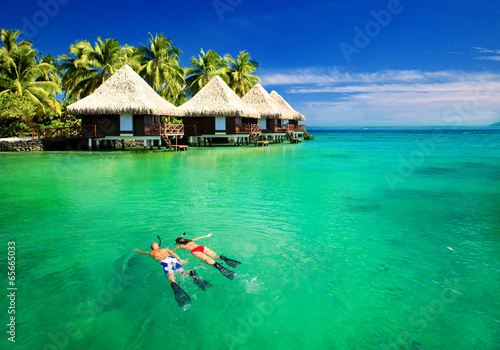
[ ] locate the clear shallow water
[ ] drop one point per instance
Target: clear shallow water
(344, 243)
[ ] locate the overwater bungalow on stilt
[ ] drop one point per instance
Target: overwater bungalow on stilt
(123, 108)
(270, 113)
(216, 113)
(291, 120)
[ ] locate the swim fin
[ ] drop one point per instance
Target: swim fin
(228, 273)
(230, 262)
(180, 295)
(200, 282)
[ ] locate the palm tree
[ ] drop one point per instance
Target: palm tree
(133, 55)
(203, 69)
(52, 75)
(88, 67)
(9, 41)
(239, 73)
(74, 67)
(160, 66)
(21, 73)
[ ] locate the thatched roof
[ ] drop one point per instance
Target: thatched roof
(258, 98)
(125, 92)
(216, 99)
(291, 114)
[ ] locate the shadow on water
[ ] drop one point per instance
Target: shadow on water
(436, 171)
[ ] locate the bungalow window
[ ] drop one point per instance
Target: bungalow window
(220, 124)
(126, 124)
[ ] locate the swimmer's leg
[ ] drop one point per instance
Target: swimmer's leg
(171, 277)
(211, 253)
(230, 262)
(203, 257)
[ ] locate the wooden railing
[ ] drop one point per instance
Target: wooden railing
(66, 132)
(251, 129)
(300, 127)
(156, 129)
(172, 129)
(290, 127)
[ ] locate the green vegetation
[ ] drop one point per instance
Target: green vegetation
(87, 66)
(16, 114)
(236, 73)
(239, 72)
(203, 69)
(160, 67)
(35, 89)
(24, 73)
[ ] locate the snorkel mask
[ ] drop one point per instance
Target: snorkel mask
(181, 239)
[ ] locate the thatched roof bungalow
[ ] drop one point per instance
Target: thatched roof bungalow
(270, 111)
(123, 106)
(216, 110)
(290, 114)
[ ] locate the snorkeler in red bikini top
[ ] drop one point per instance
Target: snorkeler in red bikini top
(206, 254)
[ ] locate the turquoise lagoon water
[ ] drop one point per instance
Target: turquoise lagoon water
(360, 239)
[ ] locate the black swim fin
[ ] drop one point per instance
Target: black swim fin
(200, 282)
(180, 295)
(228, 273)
(230, 262)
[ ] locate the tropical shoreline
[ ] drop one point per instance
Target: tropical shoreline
(28, 144)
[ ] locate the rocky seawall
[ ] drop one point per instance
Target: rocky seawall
(20, 145)
(29, 145)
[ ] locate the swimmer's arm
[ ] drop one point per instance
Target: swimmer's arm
(138, 251)
(171, 252)
(207, 236)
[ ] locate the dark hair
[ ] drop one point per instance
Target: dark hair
(181, 240)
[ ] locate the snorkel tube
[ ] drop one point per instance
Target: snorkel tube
(159, 245)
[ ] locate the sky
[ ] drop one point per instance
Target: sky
(340, 63)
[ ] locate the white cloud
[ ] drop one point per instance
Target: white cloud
(307, 76)
(491, 54)
(488, 58)
(484, 50)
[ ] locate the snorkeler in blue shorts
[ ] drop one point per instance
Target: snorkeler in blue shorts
(171, 264)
